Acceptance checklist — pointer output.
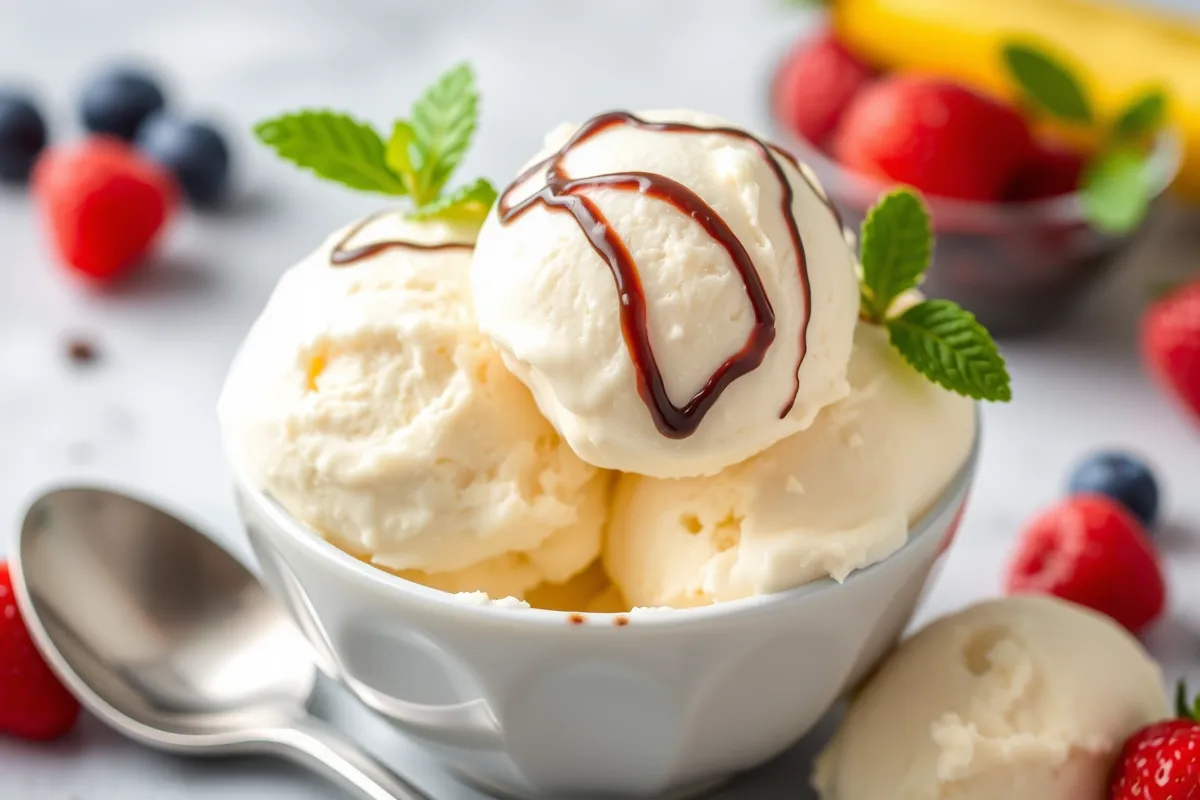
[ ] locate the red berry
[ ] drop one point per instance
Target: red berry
(815, 85)
(1053, 169)
(1171, 344)
(33, 704)
(935, 135)
(104, 204)
(1091, 551)
(1161, 761)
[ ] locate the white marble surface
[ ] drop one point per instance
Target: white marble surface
(142, 417)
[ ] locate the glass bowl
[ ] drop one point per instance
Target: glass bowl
(1020, 267)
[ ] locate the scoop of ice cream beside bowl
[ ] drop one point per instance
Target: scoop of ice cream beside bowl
(618, 499)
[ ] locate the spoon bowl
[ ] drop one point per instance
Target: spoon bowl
(164, 627)
(171, 640)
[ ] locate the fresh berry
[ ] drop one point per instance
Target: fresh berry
(1171, 344)
(1091, 551)
(1161, 761)
(1053, 170)
(815, 85)
(1122, 477)
(104, 204)
(935, 135)
(194, 151)
(116, 102)
(22, 136)
(33, 704)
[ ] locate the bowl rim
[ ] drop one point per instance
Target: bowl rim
(433, 600)
(1160, 170)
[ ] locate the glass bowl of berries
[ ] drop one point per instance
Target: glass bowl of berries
(1031, 201)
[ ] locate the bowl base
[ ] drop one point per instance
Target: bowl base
(702, 789)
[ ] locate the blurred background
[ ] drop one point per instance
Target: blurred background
(118, 383)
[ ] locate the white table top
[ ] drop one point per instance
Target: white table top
(142, 416)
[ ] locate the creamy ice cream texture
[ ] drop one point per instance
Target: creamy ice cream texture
(366, 401)
(823, 502)
(700, 237)
(440, 414)
(1027, 697)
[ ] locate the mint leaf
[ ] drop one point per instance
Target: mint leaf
(1143, 116)
(1182, 704)
(469, 204)
(443, 121)
(1115, 191)
(945, 344)
(334, 146)
(398, 154)
(1047, 84)
(895, 247)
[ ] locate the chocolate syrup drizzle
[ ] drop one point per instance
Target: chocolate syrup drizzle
(562, 192)
(343, 255)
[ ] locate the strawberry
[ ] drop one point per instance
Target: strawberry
(935, 135)
(1161, 761)
(1171, 344)
(1091, 551)
(33, 704)
(104, 204)
(1053, 169)
(815, 84)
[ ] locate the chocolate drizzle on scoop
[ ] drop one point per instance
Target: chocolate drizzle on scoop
(343, 255)
(565, 193)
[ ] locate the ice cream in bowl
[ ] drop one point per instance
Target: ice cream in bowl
(612, 482)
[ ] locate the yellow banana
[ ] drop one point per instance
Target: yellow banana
(1117, 51)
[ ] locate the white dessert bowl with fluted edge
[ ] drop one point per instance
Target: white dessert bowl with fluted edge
(534, 703)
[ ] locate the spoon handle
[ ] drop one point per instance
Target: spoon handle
(322, 749)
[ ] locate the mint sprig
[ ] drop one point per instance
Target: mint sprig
(1185, 708)
(940, 340)
(1115, 189)
(947, 344)
(443, 121)
(334, 146)
(1142, 117)
(1047, 83)
(417, 161)
(896, 247)
(465, 204)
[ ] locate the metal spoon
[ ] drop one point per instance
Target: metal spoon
(171, 641)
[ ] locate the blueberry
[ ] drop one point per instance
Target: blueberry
(194, 151)
(1121, 476)
(22, 136)
(116, 102)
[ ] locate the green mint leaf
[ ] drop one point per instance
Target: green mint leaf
(945, 344)
(443, 121)
(1047, 84)
(334, 146)
(1143, 116)
(1185, 708)
(398, 155)
(895, 247)
(1115, 191)
(468, 204)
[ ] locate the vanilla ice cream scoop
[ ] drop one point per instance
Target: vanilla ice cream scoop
(1028, 697)
(677, 294)
(366, 401)
(823, 502)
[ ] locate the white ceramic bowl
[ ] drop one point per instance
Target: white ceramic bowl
(545, 704)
